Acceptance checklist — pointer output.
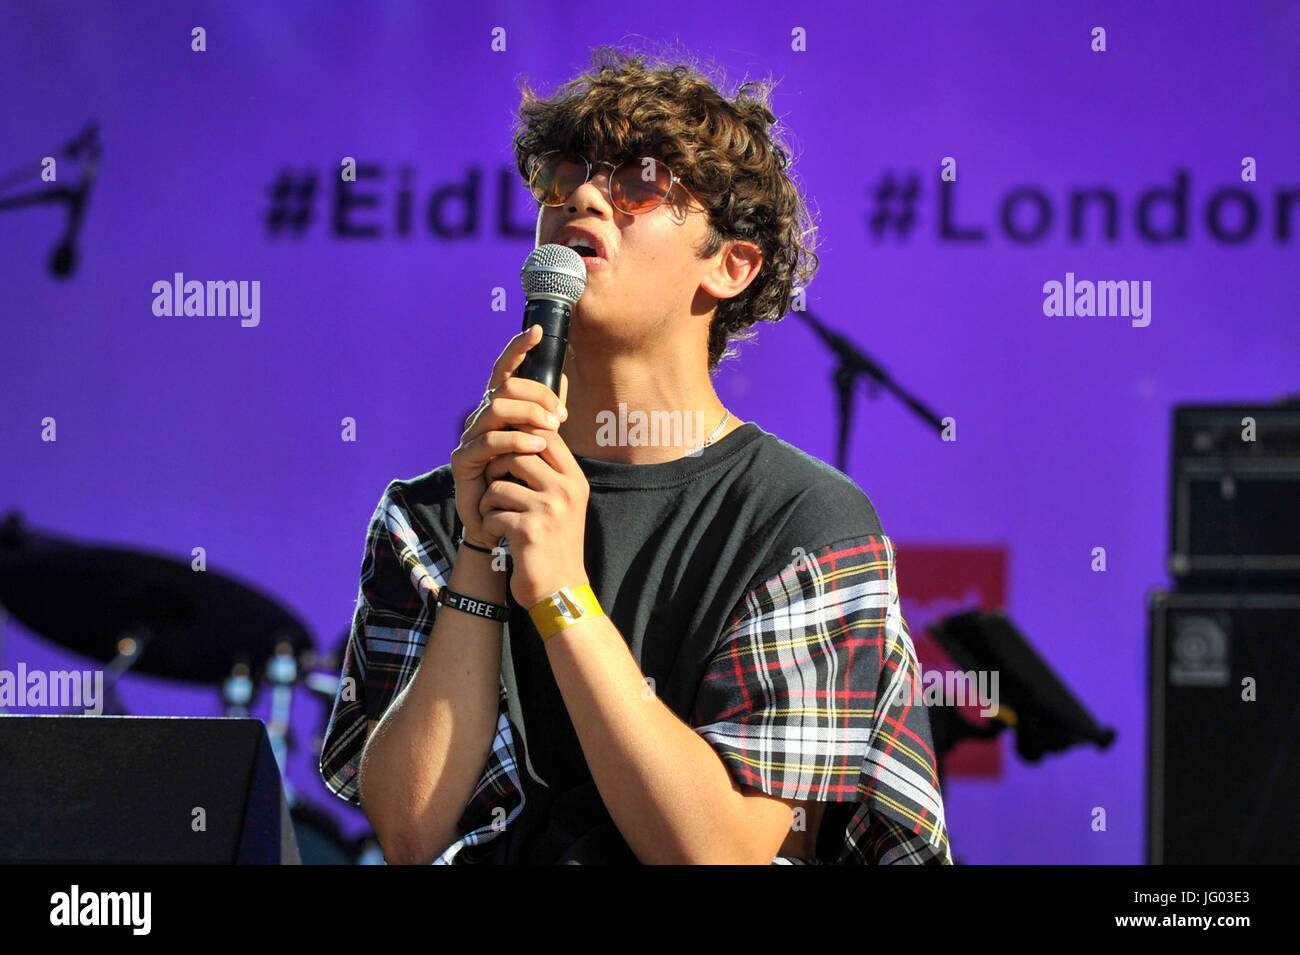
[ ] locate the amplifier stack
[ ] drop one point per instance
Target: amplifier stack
(1224, 643)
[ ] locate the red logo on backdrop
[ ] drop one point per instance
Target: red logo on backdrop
(936, 582)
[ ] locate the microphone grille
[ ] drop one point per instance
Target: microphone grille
(554, 271)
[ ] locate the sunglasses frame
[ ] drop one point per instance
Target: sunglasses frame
(609, 182)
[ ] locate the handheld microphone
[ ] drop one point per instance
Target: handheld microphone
(554, 278)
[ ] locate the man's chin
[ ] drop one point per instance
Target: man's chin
(599, 325)
(588, 312)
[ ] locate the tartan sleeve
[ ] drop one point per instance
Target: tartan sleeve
(390, 626)
(401, 574)
(802, 701)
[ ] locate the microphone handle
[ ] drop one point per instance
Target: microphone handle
(545, 360)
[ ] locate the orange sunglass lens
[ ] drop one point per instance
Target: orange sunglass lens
(640, 184)
(555, 178)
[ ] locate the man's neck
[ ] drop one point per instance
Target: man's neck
(644, 411)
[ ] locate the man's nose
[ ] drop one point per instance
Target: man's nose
(603, 188)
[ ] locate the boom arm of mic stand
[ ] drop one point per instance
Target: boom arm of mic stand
(85, 147)
(852, 363)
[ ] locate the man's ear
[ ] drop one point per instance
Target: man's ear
(736, 265)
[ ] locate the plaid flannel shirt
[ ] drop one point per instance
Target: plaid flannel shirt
(811, 694)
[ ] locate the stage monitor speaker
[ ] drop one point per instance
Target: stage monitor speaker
(125, 789)
(1224, 759)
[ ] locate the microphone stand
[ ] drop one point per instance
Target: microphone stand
(63, 260)
(854, 363)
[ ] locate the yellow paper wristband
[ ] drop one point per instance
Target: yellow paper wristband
(564, 608)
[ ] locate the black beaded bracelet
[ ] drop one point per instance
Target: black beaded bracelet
(479, 608)
(482, 550)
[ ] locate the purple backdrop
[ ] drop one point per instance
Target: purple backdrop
(177, 432)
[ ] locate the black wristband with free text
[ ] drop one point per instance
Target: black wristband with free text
(470, 605)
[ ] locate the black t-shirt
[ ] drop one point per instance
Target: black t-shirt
(671, 550)
(747, 549)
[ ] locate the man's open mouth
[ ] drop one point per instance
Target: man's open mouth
(585, 242)
(584, 249)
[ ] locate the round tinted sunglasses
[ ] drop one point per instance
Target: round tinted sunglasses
(636, 186)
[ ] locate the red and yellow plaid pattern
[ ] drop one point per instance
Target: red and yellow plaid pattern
(803, 701)
(790, 701)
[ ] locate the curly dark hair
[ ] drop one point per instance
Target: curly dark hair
(725, 150)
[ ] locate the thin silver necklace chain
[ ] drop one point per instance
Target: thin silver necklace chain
(717, 430)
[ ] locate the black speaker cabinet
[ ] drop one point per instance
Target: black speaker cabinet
(1223, 767)
(1235, 503)
(125, 789)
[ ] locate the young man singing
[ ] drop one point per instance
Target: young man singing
(694, 650)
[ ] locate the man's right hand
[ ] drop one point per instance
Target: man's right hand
(510, 419)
